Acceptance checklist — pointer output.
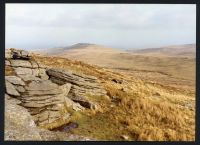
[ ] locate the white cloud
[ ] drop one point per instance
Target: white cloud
(49, 25)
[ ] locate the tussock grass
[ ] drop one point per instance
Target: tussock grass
(150, 120)
(143, 110)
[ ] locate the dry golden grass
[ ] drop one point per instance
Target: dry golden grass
(151, 120)
(142, 110)
(176, 71)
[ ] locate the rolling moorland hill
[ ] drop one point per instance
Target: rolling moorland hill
(75, 49)
(130, 107)
(172, 65)
(175, 50)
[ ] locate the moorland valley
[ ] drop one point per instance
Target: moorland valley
(93, 92)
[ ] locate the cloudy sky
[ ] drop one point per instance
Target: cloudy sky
(127, 26)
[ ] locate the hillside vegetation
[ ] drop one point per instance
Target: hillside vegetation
(174, 50)
(170, 66)
(137, 108)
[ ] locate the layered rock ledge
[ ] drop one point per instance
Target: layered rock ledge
(81, 85)
(47, 93)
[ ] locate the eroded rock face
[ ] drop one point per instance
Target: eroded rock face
(45, 93)
(20, 63)
(40, 97)
(10, 89)
(15, 80)
(43, 99)
(23, 71)
(82, 85)
(16, 54)
(19, 124)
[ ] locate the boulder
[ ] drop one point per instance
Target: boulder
(12, 100)
(20, 63)
(82, 85)
(46, 93)
(19, 125)
(45, 100)
(23, 71)
(10, 89)
(41, 85)
(20, 54)
(15, 80)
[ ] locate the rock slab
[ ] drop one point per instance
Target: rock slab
(82, 85)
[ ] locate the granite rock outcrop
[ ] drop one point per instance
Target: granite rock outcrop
(46, 92)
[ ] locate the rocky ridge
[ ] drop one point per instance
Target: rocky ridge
(80, 85)
(45, 92)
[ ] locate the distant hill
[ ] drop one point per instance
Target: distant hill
(84, 48)
(146, 59)
(165, 60)
(175, 50)
(79, 46)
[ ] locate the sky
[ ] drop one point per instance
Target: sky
(126, 26)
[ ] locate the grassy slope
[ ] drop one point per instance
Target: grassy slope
(144, 110)
(173, 71)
